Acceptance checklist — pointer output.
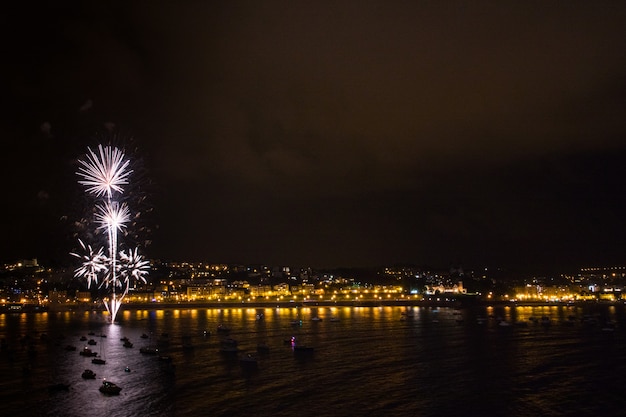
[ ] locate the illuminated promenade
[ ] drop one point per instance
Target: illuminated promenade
(457, 303)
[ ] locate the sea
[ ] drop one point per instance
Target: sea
(551, 360)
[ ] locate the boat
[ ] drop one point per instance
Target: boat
(334, 319)
(110, 388)
(70, 348)
(248, 362)
(89, 374)
(229, 346)
(87, 352)
(316, 318)
(149, 350)
(92, 342)
(144, 336)
(83, 338)
(223, 329)
(99, 360)
(128, 344)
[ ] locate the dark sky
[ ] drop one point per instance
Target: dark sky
(349, 133)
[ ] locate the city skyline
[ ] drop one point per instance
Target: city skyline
(351, 134)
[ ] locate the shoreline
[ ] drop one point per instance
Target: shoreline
(456, 303)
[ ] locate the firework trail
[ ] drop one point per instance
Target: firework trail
(104, 173)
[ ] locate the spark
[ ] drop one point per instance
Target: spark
(93, 264)
(104, 173)
(112, 216)
(133, 266)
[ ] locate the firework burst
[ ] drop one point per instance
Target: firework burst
(133, 266)
(93, 263)
(104, 173)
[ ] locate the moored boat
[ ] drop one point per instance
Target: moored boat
(108, 387)
(87, 352)
(223, 329)
(89, 374)
(248, 362)
(148, 350)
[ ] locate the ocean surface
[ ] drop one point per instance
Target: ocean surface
(365, 361)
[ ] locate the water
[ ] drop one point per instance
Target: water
(391, 361)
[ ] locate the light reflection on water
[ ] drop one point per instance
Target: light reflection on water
(373, 360)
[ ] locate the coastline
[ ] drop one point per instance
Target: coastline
(454, 303)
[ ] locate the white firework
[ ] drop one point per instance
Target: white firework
(93, 264)
(104, 173)
(112, 216)
(133, 266)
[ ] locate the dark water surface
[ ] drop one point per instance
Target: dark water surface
(376, 361)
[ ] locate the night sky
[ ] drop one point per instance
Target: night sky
(332, 133)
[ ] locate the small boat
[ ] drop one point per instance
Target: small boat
(92, 342)
(109, 388)
(89, 374)
(149, 350)
(70, 348)
(128, 344)
(334, 319)
(124, 339)
(98, 361)
(248, 362)
(316, 318)
(87, 352)
(144, 336)
(229, 346)
(83, 338)
(223, 329)
(91, 333)
(127, 369)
